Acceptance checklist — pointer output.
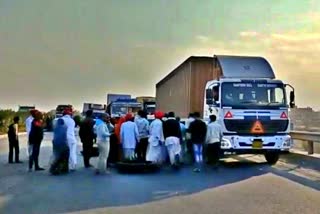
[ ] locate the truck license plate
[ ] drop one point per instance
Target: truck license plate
(257, 145)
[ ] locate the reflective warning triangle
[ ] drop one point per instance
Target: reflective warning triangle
(284, 116)
(257, 128)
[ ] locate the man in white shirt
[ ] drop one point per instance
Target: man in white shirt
(28, 123)
(103, 142)
(213, 140)
(156, 140)
(129, 137)
(71, 138)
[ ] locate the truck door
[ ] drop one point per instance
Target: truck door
(212, 101)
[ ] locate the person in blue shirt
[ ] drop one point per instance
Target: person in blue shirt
(60, 149)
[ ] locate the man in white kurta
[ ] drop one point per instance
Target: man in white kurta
(71, 138)
(103, 142)
(28, 123)
(156, 140)
(129, 136)
(172, 134)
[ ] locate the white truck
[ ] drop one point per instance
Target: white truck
(250, 104)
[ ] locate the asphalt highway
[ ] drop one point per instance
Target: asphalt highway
(243, 184)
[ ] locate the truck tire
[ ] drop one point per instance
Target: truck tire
(272, 157)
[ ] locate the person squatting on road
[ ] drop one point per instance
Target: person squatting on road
(213, 141)
(72, 141)
(13, 139)
(60, 149)
(87, 137)
(143, 129)
(35, 139)
(103, 142)
(198, 130)
(156, 140)
(172, 134)
(129, 137)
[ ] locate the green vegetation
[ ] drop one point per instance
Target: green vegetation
(6, 118)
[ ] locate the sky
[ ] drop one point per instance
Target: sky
(71, 52)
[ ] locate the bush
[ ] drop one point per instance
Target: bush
(6, 118)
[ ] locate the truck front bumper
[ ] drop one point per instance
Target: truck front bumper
(256, 145)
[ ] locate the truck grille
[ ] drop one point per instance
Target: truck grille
(245, 126)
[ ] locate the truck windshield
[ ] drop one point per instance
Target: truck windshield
(121, 110)
(151, 108)
(253, 95)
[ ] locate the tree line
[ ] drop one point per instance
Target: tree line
(7, 115)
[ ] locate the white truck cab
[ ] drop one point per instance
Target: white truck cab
(251, 106)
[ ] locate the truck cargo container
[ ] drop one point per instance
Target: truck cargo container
(182, 90)
(250, 104)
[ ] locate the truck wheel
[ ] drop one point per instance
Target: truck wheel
(272, 157)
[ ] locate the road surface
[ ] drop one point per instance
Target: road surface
(242, 185)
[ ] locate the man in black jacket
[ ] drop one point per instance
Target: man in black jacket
(172, 135)
(14, 140)
(198, 130)
(35, 139)
(87, 137)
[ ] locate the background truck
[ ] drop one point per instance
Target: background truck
(122, 107)
(250, 104)
(149, 105)
(97, 109)
(61, 108)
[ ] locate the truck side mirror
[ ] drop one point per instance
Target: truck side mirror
(292, 99)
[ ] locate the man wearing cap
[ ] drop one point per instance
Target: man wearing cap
(129, 136)
(71, 138)
(156, 139)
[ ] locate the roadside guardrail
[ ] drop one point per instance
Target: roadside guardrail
(310, 137)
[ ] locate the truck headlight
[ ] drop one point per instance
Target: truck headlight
(287, 142)
(225, 143)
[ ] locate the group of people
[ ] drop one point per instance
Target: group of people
(128, 138)
(184, 140)
(164, 139)
(34, 130)
(64, 142)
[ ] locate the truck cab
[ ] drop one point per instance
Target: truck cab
(60, 109)
(122, 107)
(251, 106)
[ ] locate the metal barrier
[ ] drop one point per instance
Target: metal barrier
(310, 137)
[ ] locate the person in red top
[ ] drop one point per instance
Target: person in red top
(117, 133)
(35, 139)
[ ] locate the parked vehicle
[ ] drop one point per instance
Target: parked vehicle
(97, 109)
(250, 104)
